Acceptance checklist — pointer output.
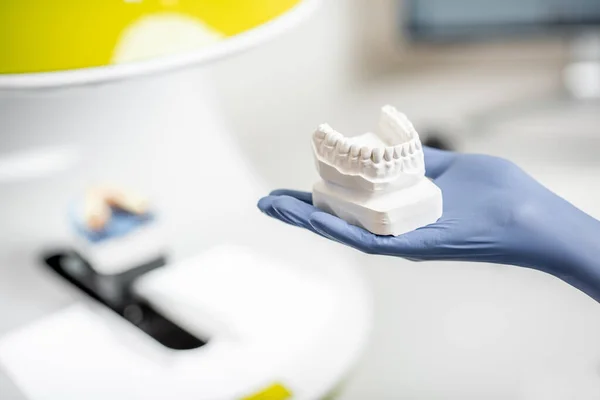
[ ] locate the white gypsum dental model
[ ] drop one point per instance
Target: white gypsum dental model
(376, 181)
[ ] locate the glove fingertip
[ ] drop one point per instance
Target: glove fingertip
(265, 203)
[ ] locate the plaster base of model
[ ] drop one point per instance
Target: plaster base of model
(376, 180)
(387, 213)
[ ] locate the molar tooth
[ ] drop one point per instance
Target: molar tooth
(365, 153)
(377, 154)
(332, 138)
(354, 150)
(317, 140)
(320, 133)
(343, 147)
(395, 123)
(397, 151)
(389, 153)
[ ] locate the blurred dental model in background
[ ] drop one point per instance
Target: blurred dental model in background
(116, 230)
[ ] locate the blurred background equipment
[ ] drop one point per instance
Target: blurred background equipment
(38, 36)
(448, 21)
(488, 41)
(435, 21)
(228, 323)
(127, 87)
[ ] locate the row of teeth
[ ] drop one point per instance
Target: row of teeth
(339, 151)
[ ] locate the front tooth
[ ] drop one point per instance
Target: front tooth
(343, 147)
(415, 162)
(389, 153)
(404, 150)
(411, 146)
(406, 165)
(377, 154)
(365, 153)
(411, 163)
(354, 150)
(418, 145)
(399, 165)
(397, 151)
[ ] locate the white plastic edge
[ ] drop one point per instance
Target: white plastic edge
(93, 75)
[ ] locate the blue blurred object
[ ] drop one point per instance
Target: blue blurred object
(120, 224)
(493, 212)
(466, 20)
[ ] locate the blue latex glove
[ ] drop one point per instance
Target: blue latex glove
(493, 212)
(121, 223)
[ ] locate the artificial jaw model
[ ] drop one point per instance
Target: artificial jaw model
(376, 181)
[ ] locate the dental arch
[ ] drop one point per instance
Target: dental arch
(376, 180)
(391, 157)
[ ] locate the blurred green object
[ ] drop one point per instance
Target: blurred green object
(336, 392)
(42, 35)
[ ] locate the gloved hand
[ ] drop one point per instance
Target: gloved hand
(493, 212)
